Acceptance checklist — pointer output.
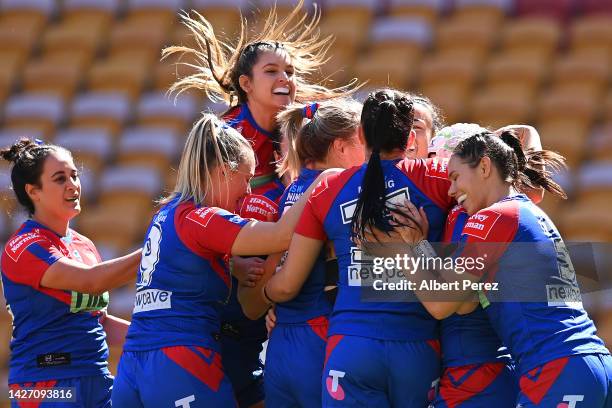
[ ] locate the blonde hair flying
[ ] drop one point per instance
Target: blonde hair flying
(219, 64)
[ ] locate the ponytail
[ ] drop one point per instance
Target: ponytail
(386, 120)
(524, 170)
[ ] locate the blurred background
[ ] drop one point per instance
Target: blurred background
(86, 74)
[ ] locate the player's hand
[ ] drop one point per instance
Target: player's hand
(270, 320)
(410, 223)
(248, 271)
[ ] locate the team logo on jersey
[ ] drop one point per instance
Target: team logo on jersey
(437, 168)
(480, 224)
(397, 197)
(150, 256)
(333, 386)
(16, 246)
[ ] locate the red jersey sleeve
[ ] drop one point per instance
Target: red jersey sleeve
(311, 221)
(211, 228)
(27, 257)
(431, 177)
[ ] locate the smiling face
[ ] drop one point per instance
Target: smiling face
(59, 191)
(468, 185)
(272, 81)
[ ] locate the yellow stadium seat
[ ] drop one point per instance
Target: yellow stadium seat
(150, 147)
(594, 183)
(515, 70)
(107, 111)
(348, 21)
(427, 10)
(135, 34)
(600, 144)
(394, 48)
(537, 35)
(130, 186)
(565, 136)
(35, 111)
(20, 32)
(224, 15)
(583, 70)
(161, 110)
(568, 103)
(501, 105)
(477, 11)
(155, 13)
(11, 63)
(582, 223)
(451, 97)
(465, 36)
(592, 32)
(91, 147)
(447, 67)
(126, 72)
(49, 75)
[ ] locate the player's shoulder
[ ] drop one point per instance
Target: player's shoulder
(497, 222)
(432, 167)
(26, 236)
(331, 181)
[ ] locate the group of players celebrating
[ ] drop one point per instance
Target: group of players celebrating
(273, 206)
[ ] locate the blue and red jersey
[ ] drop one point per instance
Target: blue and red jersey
(311, 302)
(328, 215)
(470, 338)
(56, 333)
(538, 314)
(266, 181)
(183, 279)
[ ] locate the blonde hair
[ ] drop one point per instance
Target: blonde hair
(310, 141)
(219, 64)
(210, 143)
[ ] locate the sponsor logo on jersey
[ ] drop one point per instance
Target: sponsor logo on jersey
(333, 386)
(570, 401)
(397, 197)
(16, 246)
(258, 207)
(152, 299)
(563, 295)
(202, 215)
(185, 402)
(480, 224)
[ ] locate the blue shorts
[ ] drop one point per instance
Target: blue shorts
(361, 371)
(581, 381)
(477, 386)
(90, 392)
(243, 368)
(178, 376)
(294, 364)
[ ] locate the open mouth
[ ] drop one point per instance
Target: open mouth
(281, 91)
(73, 199)
(461, 199)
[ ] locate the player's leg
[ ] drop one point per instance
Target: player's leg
(125, 389)
(414, 368)
(477, 385)
(355, 373)
(185, 377)
(568, 382)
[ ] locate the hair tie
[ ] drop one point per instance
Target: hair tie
(309, 110)
(39, 142)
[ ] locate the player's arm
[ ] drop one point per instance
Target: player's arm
(116, 329)
(252, 303)
(262, 238)
(286, 283)
(67, 274)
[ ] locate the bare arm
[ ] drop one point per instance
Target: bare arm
(116, 330)
(67, 274)
(287, 282)
(262, 238)
(253, 304)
